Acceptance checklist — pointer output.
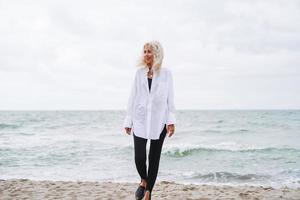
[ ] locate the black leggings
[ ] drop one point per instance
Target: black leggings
(154, 157)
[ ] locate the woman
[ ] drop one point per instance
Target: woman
(150, 114)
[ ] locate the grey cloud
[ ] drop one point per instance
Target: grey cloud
(72, 51)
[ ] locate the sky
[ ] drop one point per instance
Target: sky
(82, 55)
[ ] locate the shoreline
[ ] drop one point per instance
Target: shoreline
(45, 189)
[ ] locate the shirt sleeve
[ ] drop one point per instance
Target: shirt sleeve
(129, 111)
(171, 119)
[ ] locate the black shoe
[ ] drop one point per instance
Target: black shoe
(140, 193)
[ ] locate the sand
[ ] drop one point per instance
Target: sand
(29, 189)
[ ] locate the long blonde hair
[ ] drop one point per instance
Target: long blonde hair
(158, 55)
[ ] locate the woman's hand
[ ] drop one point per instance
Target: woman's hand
(128, 130)
(171, 129)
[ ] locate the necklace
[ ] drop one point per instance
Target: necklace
(150, 73)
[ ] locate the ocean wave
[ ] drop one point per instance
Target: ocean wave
(188, 150)
(244, 130)
(183, 151)
(212, 131)
(224, 176)
(9, 126)
(238, 131)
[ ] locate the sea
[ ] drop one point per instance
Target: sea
(219, 147)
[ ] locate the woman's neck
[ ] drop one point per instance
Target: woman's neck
(149, 65)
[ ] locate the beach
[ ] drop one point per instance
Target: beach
(213, 155)
(163, 190)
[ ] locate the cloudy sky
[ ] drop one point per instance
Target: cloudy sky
(229, 54)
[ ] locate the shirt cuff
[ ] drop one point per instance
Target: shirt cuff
(127, 122)
(171, 118)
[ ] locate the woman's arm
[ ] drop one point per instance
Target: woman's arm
(128, 119)
(171, 119)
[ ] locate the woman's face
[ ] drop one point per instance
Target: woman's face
(148, 55)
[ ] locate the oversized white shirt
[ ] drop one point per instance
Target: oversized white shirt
(148, 111)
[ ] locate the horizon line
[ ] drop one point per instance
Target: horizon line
(185, 109)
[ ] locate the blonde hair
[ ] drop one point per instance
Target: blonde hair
(158, 55)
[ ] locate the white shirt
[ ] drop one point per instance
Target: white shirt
(148, 111)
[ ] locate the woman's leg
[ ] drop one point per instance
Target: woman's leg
(140, 155)
(154, 157)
